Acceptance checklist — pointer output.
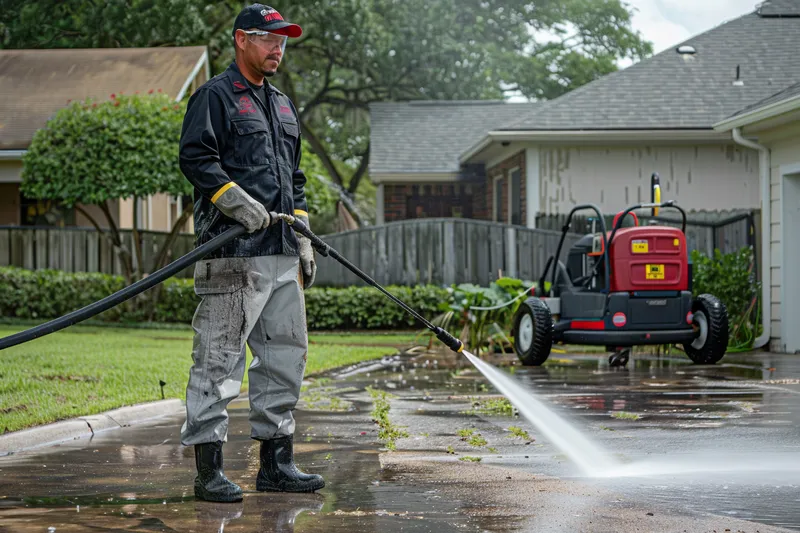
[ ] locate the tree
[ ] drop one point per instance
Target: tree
(354, 52)
(92, 153)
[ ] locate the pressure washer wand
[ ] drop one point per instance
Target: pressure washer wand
(125, 294)
(325, 249)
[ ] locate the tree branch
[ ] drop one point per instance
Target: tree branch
(359, 173)
(319, 149)
(137, 243)
(122, 252)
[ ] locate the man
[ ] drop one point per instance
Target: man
(240, 148)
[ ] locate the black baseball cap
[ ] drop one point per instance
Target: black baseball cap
(265, 18)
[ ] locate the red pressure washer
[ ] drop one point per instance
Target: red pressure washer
(192, 257)
(627, 287)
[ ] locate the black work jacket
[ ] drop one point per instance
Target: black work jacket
(230, 135)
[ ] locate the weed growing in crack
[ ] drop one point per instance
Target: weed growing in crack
(388, 432)
(477, 440)
(517, 431)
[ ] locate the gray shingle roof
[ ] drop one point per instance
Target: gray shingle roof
(429, 136)
(780, 96)
(779, 8)
(674, 91)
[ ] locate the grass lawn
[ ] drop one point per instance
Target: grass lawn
(85, 370)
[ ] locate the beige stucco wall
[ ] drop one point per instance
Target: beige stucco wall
(784, 145)
(701, 177)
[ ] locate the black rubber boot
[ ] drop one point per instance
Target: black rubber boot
(278, 472)
(211, 483)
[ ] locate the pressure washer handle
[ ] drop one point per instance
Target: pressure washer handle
(320, 245)
(449, 341)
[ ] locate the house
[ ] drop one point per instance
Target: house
(671, 113)
(414, 156)
(37, 83)
(772, 127)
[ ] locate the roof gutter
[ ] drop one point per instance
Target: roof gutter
(759, 114)
(12, 155)
(766, 219)
(592, 136)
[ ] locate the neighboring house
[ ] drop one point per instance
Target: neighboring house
(414, 156)
(774, 123)
(37, 83)
(668, 114)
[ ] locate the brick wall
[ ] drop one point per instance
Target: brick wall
(502, 170)
(429, 200)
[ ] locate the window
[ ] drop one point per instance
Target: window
(515, 198)
(51, 213)
(497, 215)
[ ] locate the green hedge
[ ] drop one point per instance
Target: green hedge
(46, 294)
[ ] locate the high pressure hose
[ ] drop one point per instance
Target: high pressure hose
(325, 249)
(125, 294)
(192, 257)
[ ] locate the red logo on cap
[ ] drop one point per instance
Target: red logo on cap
(271, 14)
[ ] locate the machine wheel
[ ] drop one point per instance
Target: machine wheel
(711, 319)
(533, 332)
(619, 358)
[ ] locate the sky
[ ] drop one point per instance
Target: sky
(666, 23)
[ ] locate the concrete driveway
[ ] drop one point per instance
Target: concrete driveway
(709, 449)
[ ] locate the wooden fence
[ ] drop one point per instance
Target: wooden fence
(705, 231)
(439, 251)
(81, 249)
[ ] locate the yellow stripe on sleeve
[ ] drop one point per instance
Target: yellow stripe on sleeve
(301, 213)
(221, 191)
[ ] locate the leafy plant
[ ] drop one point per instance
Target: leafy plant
(622, 415)
(730, 278)
(519, 432)
(477, 440)
(470, 458)
(481, 314)
(388, 432)
(492, 406)
(464, 433)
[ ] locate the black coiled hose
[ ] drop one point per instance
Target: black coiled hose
(125, 294)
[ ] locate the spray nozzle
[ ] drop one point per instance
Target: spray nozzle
(450, 341)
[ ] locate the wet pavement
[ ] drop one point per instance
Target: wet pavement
(708, 448)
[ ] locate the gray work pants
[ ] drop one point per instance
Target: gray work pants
(257, 300)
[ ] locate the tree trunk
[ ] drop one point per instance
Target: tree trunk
(161, 261)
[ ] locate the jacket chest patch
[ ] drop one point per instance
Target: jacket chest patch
(286, 111)
(245, 105)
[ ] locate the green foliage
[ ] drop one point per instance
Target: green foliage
(517, 431)
(85, 370)
(477, 326)
(320, 197)
(44, 294)
(730, 278)
(355, 52)
(477, 440)
(91, 152)
(492, 406)
(388, 432)
(366, 308)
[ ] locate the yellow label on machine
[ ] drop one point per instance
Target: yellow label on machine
(639, 247)
(654, 271)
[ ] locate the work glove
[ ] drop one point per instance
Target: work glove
(307, 261)
(244, 209)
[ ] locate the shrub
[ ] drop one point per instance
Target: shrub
(730, 278)
(46, 294)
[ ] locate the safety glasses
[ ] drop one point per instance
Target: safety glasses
(267, 40)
